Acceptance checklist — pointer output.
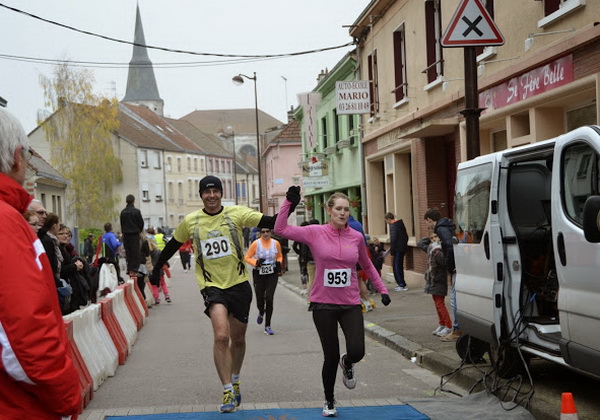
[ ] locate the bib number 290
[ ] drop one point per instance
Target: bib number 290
(337, 278)
(216, 247)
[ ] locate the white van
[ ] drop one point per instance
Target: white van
(527, 277)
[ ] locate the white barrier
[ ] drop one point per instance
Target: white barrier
(100, 357)
(124, 317)
(136, 298)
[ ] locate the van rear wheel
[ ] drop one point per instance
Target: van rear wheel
(506, 361)
(471, 349)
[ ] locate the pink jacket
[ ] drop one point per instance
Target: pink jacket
(336, 253)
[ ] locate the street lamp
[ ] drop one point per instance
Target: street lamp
(239, 80)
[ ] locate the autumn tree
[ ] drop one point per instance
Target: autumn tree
(80, 132)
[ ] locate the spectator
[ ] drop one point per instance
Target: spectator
(161, 284)
(38, 379)
(444, 229)
(436, 282)
(132, 224)
(185, 254)
(33, 220)
(111, 249)
(50, 243)
(88, 248)
(377, 251)
(38, 207)
(398, 248)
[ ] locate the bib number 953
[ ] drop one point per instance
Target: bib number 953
(339, 277)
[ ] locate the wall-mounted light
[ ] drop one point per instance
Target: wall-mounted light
(445, 82)
(529, 40)
(482, 63)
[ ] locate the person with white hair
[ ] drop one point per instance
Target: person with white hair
(38, 379)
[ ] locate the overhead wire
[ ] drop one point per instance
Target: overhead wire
(172, 50)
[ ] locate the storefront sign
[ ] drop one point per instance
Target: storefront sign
(309, 102)
(353, 97)
(315, 168)
(527, 85)
(316, 182)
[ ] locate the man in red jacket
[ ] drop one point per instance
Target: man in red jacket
(38, 379)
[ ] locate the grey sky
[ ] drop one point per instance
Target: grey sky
(217, 26)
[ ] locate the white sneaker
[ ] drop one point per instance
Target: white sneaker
(329, 409)
(400, 289)
(444, 332)
(437, 330)
(349, 380)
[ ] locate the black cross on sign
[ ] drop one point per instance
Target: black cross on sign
(472, 26)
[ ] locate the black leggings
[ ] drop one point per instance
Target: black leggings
(264, 286)
(351, 321)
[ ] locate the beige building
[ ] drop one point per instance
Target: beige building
(542, 82)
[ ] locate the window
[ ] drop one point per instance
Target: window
(324, 130)
(143, 158)
(145, 192)
(581, 179)
(336, 126)
(489, 7)
(157, 163)
(179, 165)
(581, 116)
(169, 168)
(351, 126)
(170, 193)
(190, 189)
(471, 202)
(400, 90)
(556, 9)
(195, 164)
(196, 188)
(433, 28)
(373, 83)
(158, 190)
(499, 141)
(189, 164)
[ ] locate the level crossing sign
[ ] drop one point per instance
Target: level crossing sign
(471, 26)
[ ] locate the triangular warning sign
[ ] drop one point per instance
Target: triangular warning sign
(471, 26)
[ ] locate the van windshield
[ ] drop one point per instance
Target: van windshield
(471, 202)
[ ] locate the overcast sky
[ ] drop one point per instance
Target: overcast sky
(246, 27)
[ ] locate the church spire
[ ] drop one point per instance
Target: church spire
(141, 83)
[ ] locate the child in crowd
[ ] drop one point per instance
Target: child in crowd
(436, 282)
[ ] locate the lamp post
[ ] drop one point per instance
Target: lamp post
(239, 80)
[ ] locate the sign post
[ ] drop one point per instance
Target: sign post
(471, 27)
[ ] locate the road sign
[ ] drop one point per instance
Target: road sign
(471, 26)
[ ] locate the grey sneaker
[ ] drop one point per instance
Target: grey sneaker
(348, 379)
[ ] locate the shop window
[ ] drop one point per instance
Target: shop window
(499, 141)
(582, 116)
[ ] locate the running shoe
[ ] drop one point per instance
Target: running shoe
(228, 405)
(437, 330)
(400, 289)
(269, 331)
(329, 409)
(168, 299)
(349, 380)
(259, 320)
(238, 394)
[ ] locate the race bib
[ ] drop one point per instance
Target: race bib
(339, 277)
(266, 269)
(217, 247)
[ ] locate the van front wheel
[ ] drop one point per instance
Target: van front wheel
(506, 361)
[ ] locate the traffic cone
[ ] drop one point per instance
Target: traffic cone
(567, 409)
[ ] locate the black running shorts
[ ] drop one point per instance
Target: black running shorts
(237, 300)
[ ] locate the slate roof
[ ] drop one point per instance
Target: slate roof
(208, 143)
(242, 120)
(136, 132)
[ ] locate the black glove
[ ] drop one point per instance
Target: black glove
(293, 194)
(278, 268)
(155, 277)
(260, 262)
(385, 299)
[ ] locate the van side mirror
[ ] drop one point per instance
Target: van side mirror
(591, 219)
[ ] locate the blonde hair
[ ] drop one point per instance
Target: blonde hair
(335, 196)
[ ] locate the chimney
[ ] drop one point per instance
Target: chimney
(290, 115)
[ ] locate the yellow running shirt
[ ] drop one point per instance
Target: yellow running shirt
(218, 244)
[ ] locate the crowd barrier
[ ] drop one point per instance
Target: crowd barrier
(101, 335)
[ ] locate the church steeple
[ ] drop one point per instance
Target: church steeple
(141, 83)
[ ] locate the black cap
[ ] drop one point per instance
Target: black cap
(210, 182)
